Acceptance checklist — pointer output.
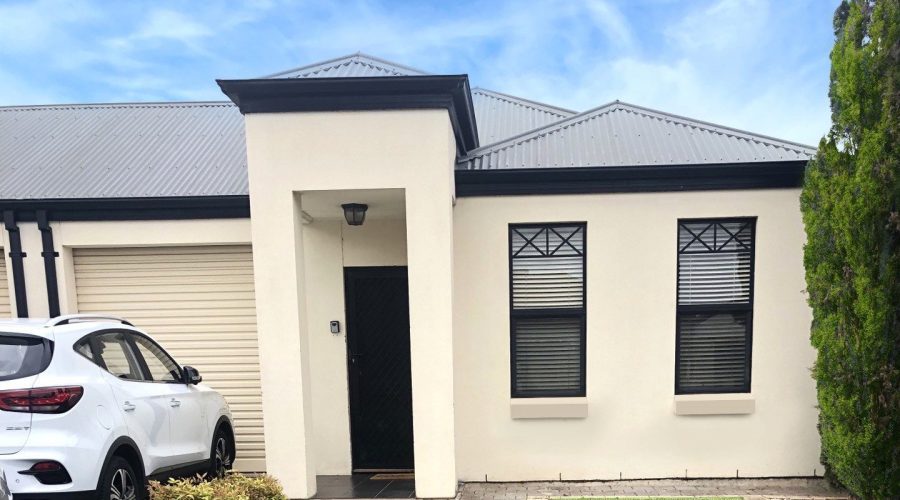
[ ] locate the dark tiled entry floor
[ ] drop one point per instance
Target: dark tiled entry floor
(363, 486)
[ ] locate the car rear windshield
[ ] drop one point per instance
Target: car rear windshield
(22, 355)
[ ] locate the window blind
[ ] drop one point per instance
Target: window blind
(715, 305)
(547, 309)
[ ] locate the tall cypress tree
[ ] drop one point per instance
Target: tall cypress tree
(850, 204)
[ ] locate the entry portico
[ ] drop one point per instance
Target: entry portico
(303, 164)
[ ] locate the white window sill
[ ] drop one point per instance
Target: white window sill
(714, 404)
(548, 408)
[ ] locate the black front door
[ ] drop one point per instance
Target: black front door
(380, 383)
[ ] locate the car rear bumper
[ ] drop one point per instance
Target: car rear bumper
(81, 469)
(75, 495)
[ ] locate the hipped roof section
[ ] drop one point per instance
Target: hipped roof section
(621, 134)
(122, 151)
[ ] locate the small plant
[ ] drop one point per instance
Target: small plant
(231, 487)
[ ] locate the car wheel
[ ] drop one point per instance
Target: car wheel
(221, 455)
(119, 482)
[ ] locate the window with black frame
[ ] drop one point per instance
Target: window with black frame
(547, 309)
(715, 305)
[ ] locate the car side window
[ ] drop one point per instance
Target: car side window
(116, 354)
(162, 367)
(84, 348)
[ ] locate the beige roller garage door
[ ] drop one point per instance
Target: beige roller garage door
(198, 303)
(5, 308)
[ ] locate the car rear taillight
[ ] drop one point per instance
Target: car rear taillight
(48, 472)
(41, 400)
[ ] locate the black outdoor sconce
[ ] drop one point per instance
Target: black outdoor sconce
(355, 213)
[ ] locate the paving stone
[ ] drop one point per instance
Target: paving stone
(757, 489)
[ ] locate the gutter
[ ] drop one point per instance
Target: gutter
(18, 268)
(49, 254)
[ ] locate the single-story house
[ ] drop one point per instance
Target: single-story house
(526, 292)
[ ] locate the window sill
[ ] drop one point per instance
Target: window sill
(548, 408)
(714, 404)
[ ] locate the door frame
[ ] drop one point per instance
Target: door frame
(351, 272)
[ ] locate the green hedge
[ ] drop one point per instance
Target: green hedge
(850, 204)
(232, 487)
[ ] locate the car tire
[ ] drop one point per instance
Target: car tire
(221, 456)
(119, 482)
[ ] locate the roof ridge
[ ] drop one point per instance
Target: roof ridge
(530, 102)
(648, 112)
(715, 127)
(576, 118)
(149, 104)
(338, 61)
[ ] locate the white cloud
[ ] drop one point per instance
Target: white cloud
(171, 25)
(614, 23)
(16, 91)
(43, 25)
(727, 61)
(724, 26)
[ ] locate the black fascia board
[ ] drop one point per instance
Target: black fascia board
(630, 179)
(281, 95)
(124, 209)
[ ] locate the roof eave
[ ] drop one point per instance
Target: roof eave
(132, 208)
(631, 178)
(450, 92)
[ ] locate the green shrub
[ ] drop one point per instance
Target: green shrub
(232, 487)
(851, 210)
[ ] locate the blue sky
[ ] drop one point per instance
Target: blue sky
(759, 65)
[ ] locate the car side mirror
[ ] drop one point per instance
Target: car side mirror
(190, 375)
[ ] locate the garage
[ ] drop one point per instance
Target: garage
(198, 303)
(5, 307)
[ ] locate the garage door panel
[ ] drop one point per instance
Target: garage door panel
(179, 315)
(159, 285)
(199, 304)
(238, 270)
(174, 253)
(228, 340)
(172, 262)
(231, 355)
(205, 306)
(172, 269)
(5, 307)
(194, 284)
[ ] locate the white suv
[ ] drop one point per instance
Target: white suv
(91, 407)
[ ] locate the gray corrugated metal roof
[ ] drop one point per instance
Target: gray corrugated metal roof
(197, 148)
(619, 134)
(122, 150)
(500, 116)
(354, 65)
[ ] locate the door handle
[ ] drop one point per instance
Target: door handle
(174, 403)
(127, 406)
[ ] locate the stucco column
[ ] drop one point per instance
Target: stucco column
(429, 237)
(283, 341)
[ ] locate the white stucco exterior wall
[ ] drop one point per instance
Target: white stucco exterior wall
(631, 284)
(293, 153)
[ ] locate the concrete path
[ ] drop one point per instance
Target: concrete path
(750, 489)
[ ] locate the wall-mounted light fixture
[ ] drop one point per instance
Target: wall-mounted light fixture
(355, 213)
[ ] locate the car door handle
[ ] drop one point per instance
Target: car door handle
(174, 403)
(127, 406)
